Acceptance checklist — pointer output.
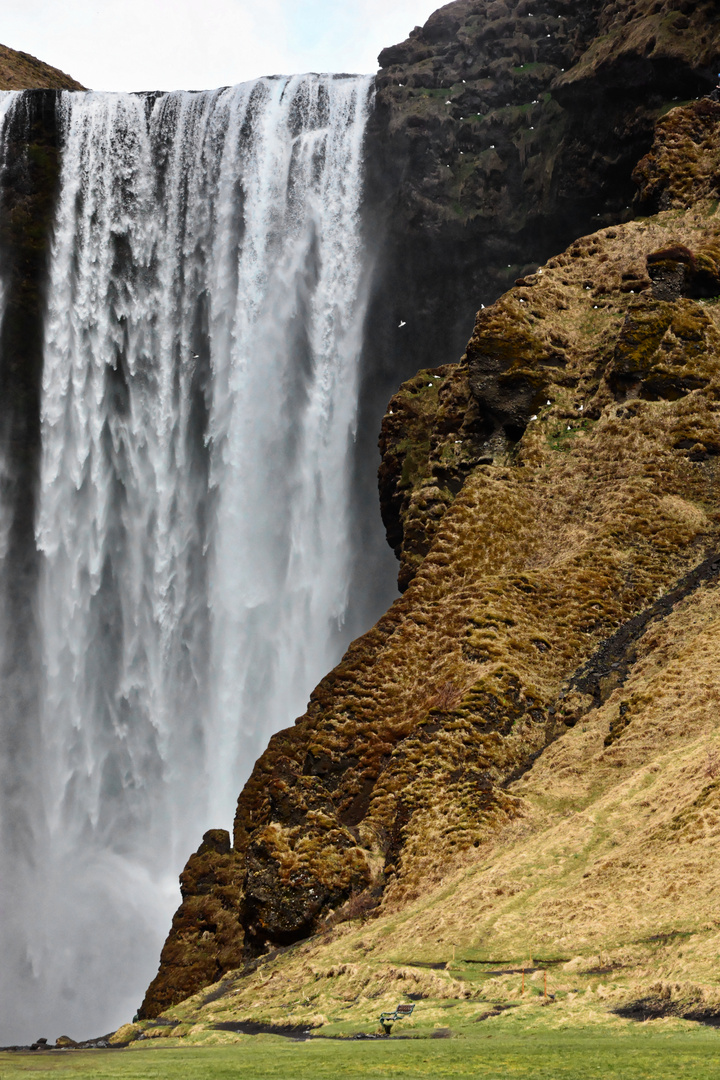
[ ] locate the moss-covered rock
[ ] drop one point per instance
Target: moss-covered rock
(206, 938)
(504, 129)
(683, 164)
(553, 500)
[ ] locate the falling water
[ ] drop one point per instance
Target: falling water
(202, 336)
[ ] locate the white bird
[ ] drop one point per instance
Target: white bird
(401, 324)
(534, 417)
(196, 356)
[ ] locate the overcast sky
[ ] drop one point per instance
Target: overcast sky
(201, 44)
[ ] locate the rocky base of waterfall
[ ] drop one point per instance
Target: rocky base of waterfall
(521, 758)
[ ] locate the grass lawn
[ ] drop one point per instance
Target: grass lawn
(651, 1051)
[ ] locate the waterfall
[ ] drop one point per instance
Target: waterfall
(203, 329)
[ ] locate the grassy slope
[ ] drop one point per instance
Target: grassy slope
(611, 869)
(20, 71)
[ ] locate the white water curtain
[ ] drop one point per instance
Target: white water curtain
(203, 331)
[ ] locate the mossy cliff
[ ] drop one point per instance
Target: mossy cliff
(533, 720)
(503, 129)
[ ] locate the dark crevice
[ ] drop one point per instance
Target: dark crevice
(612, 662)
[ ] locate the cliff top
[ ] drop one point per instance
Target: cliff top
(20, 71)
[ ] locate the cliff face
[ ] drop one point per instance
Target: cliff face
(553, 499)
(503, 130)
(20, 71)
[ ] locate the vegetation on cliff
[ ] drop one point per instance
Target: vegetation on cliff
(521, 758)
(20, 71)
(511, 127)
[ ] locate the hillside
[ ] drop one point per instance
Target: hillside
(521, 759)
(20, 71)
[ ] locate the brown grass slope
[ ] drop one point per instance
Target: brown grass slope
(521, 757)
(20, 71)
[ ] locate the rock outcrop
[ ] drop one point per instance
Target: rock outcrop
(553, 499)
(504, 129)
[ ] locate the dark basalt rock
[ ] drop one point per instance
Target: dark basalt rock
(502, 130)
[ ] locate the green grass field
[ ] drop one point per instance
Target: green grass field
(652, 1051)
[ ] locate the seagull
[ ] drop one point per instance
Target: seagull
(401, 324)
(196, 356)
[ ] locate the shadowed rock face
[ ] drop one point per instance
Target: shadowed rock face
(550, 497)
(504, 129)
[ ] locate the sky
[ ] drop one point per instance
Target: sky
(202, 44)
